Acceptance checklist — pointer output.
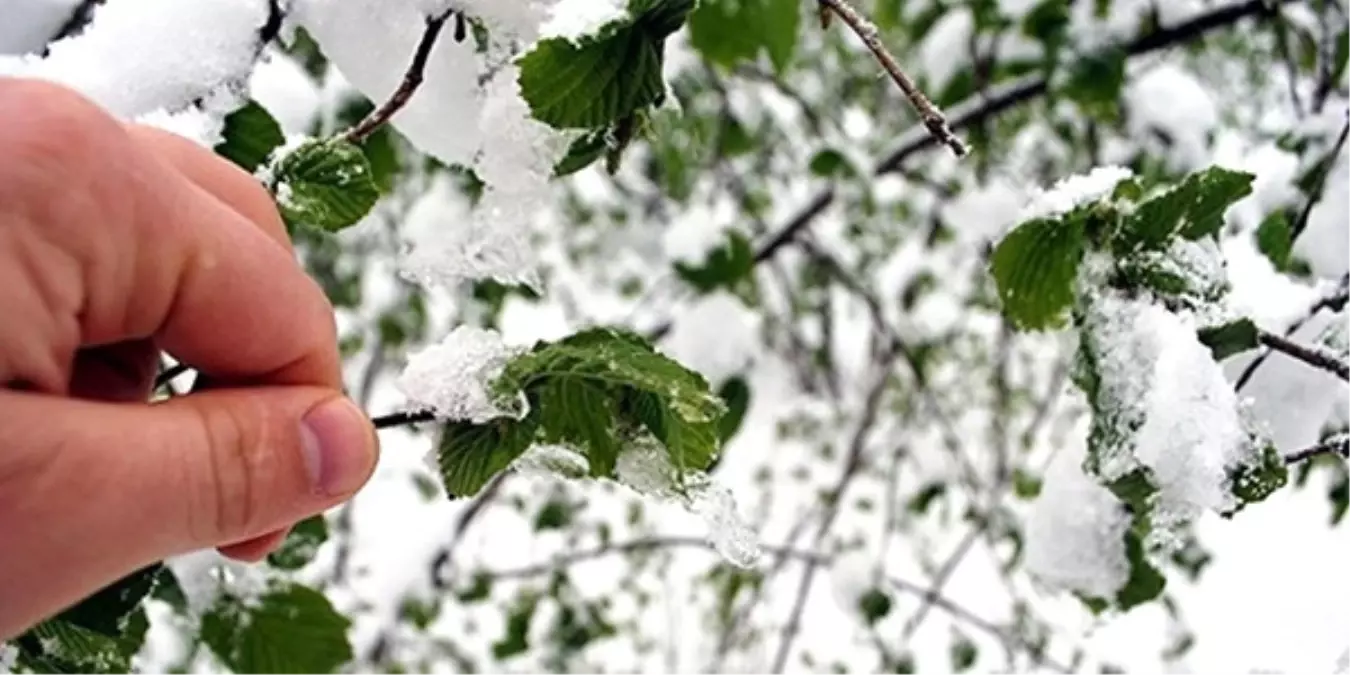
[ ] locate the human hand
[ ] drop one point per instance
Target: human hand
(116, 242)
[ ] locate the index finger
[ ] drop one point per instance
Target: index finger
(154, 254)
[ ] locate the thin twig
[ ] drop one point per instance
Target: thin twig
(170, 374)
(959, 612)
(1313, 356)
(1001, 98)
(1315, 193)
(932, 118)
(933, 593)
(643, 544)
(78, 20)
(400, 419)
(443, 563)
(951, 439)
(1335, 302)
(1338, 444)
(853, 463)
(412, 79)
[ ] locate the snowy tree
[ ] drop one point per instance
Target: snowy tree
(774, 335)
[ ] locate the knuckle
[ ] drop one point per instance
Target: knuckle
(240, 441)
(51, 127)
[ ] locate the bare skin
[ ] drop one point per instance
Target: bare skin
(117, 242)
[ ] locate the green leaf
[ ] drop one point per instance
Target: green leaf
(1095, 81)
(1145, 581)
(723, 267)
(63, 647)
(324, 184)
(301, 544)
(1193, 208)
(582, 413)
(1230, 338)
(517, 637)
(583, 152)
(1275, 240)
(874, 605)
(1025, 485)
(923, 500)
(735, 393)
(290, 629)
(1035, 267)
(671, 401)
(600, 79)
(727, 32)
(249, 136)
(555, 514)
(963, 654)
(778, 25)
(830, 163)
(107, 611)
(1257, 480)
(469, 455)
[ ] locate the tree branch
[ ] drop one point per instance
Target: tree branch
(959, 612)
(412, 79)
(1338, 444)
(400, 419)
(1315, 194)
(1335, 302)
(931, 117)
(853, 462)
(643, 544)
(1008, 95)
(1313, 356)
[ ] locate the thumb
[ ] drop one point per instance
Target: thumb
(90, 491)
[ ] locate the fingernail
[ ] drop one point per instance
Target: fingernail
(339, 447)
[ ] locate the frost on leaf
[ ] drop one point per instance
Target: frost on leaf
(453, 379)
(645, 467)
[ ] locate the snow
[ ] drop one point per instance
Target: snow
(136, 58)
(280, 84)
(453, 379)
(1072, 192)
(575, 19)
(547, 460)
(1170, 100)
(1075, 536)
(9, 655)
(29, 24)
(467, 112)
(1169, 408)
(205, 575)
(645, 467)
(716, 335)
